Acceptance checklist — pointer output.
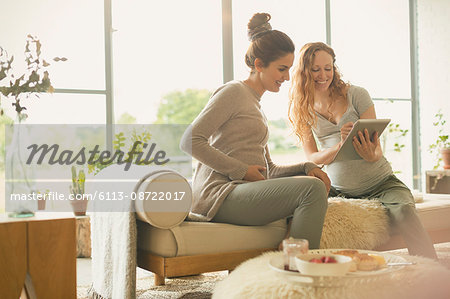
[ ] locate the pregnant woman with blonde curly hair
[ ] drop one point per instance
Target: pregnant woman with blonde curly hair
(325, 107)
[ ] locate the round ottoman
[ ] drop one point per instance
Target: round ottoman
(255, 279)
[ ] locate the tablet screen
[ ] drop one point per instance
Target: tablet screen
(347, 151)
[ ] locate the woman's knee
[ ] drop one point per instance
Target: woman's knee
(399, 197)
(319, 186)
(318, 193)
(399, 212)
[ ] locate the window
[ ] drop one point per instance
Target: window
(67, 109)
(165, 47)
(291, 17)
(373, 51)
(161, 48)
(303, 21)
(396, 139)
(71, 29)
(372, 45)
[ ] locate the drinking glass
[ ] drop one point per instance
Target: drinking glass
(292, 247)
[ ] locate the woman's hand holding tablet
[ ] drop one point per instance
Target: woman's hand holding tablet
(347, 150)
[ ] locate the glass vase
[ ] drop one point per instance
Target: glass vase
(19, 182)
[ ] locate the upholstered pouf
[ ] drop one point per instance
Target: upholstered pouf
(355, 223)
(255, 279)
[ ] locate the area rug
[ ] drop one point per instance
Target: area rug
(187, 287)
(202, 286)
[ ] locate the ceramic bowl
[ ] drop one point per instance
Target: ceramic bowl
(341, 267)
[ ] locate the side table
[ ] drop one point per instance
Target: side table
(38, 254)
(438, 181)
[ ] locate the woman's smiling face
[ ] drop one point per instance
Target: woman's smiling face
(322, 70)
(277, 72)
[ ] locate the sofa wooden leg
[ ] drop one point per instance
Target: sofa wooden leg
(159, 280)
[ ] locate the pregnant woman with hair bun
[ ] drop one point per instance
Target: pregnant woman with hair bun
(235, 180)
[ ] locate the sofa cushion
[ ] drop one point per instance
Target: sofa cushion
(434, 211)
(191, 238)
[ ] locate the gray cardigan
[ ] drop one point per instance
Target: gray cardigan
(229, 134)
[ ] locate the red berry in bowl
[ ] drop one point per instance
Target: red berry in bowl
(329, 259)
(314, 260)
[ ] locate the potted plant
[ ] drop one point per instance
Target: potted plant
(79, 201)
(119, 143)
(15, 86)
(441, 147)
(31, 83)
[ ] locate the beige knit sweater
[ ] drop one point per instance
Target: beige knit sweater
(229, 134)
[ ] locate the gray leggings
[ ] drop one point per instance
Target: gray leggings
(398, 200)
(262, 202)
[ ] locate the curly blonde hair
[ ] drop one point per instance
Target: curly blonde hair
(301, 93)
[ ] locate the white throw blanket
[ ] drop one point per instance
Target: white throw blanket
(113, 255)
(114, 234)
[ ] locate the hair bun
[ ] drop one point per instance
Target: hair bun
(258, 25)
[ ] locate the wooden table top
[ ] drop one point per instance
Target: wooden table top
(38, 216)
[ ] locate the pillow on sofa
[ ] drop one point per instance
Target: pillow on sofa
(159, 196)
(168, 198)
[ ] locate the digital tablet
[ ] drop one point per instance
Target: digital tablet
(347, 151)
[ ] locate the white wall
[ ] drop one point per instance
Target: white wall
(434, 70)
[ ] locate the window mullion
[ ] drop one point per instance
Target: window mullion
(227, 41)
(109, 72)
(415, 112)
(328, 21)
